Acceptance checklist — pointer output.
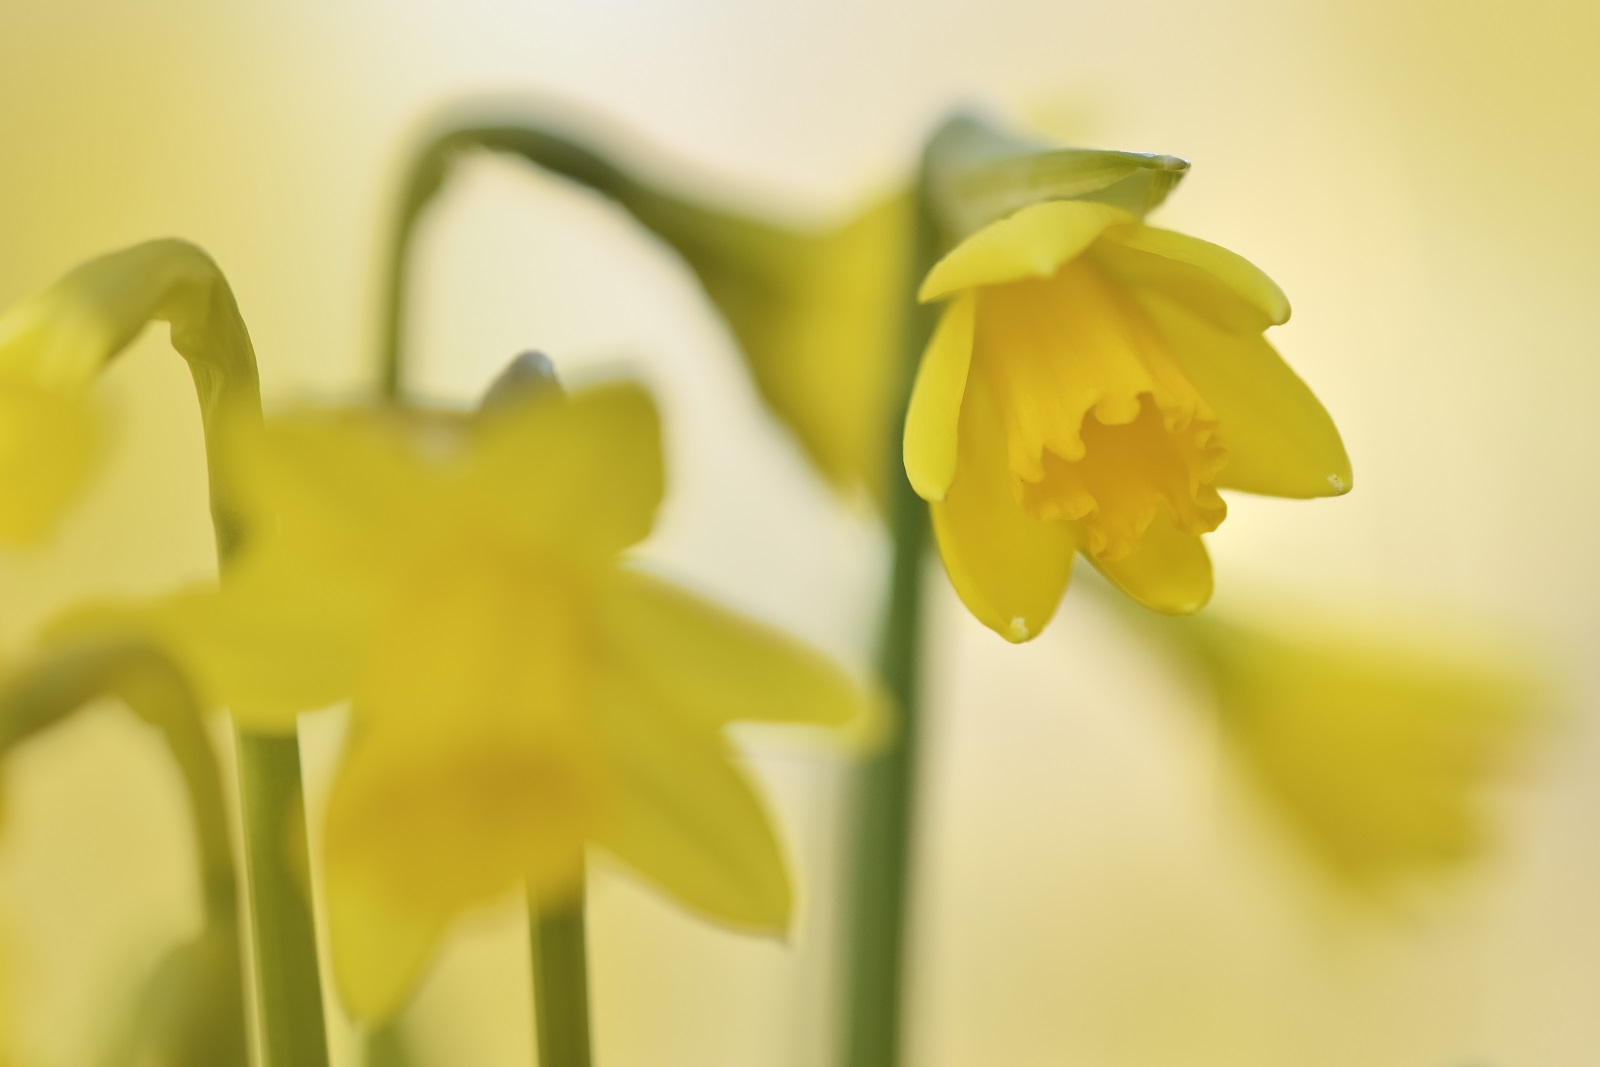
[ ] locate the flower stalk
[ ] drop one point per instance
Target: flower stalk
(208, 1028)
(62, 338)
(885, 814)
(561, 981)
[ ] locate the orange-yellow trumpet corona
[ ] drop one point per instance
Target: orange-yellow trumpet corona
(1091, 385)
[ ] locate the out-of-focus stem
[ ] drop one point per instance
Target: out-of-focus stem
(561, 982)
(886, 791)
(288, 985)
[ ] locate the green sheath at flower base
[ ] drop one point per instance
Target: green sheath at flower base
(978, 173)
(54, 344)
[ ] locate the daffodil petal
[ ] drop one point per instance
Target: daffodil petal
(934, 416)
(326, 480)
(268, 669)
(1032, 243)
(687, 819)
(258, 655)
(1009, 568)
(582, 473)
(380, 942)
(425, 824)
(718, 667)
(1211, 263)
(1170, 572)
(1280, 439)
(51, 441)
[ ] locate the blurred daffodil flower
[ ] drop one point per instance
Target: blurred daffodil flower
(54, 344)
(517, 693)
(816, 310)
(818, 315)
(1092, 383)
(1376, 744)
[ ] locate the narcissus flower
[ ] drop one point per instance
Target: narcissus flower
(55, 343)
(50, 433)
(1376, 744)
(1091, 385)
(517, 694)
(817, 314)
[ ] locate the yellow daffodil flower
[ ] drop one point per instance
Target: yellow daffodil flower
(55, 343)
(50, 433)
(1091, 385)
(1377, 745)
(517, 695)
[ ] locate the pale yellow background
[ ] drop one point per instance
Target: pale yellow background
(1419, 175)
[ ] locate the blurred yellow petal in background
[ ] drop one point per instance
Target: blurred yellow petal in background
(466, 594)
(1116, 414)
(1378, 744)
(818, 316)
(50, 444)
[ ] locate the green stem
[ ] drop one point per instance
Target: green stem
(288, 984)
(885, 821)
(560, 982)
(558, 940)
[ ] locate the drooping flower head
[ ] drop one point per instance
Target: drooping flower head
(50, 434)
(517, 695)
(56, 342)
(1091, 385)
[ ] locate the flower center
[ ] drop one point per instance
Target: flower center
(1128, 474)
(1103, 428)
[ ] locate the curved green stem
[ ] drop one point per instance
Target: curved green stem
(193, 1010)
(558, 941)
(68, 333)
(885, 813)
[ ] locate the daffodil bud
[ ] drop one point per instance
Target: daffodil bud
(977, 174)
(528, 377)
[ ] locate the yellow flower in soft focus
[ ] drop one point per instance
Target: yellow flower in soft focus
(50, 434)
(817, 314)
(1091, 385)
(517, 695)
(1376, 744)
(55, 343)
